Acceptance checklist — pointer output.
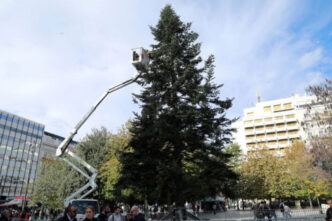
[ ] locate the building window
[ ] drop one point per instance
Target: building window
(269, 127)
(272, 143)
(290, 116)
(280, 125)
(292, 132)
(282, 142)
(279, 118)
(287, 105)
(261, 144)
(261, 136)
(250, 114)
(267, 108)
(271, 135)
(250, 137)
(281, 134)
(268, 119)
(277, 107)
(293, 124)
(258, 121)
(259, 128)
(248, 122)
(249, 129)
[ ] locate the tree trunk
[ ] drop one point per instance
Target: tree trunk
(318, 202)
(310, 201)
(146, 209)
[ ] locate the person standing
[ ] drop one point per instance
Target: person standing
(116, 216)
(90, 214)
(102, 216)
(214, 207)
(135, 215)
(287, 212)
(5, 215)
(282, 209)
(24, 215)
(329, 210)
(273, 211)
(108, 211)
(69, 214)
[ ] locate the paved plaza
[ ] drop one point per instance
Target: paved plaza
(296, 214)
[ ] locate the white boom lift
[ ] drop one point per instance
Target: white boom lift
(140, 59)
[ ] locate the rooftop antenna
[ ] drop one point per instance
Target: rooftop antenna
(258, 97)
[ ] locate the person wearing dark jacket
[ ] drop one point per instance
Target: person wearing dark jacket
(329, 210)
(5, 215)
(135, 215)
(102, 216)
(69, 214)
(90, 214)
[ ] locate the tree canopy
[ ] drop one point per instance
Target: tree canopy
(175, 154)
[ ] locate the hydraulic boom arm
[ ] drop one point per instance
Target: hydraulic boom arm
(140, 60)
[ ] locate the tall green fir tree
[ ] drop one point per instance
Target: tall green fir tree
(175, 154)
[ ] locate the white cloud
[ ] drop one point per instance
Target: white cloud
(311, 58)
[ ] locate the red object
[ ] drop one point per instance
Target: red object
(21, 198)
(45, 159)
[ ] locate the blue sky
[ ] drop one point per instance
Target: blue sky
(58, 57)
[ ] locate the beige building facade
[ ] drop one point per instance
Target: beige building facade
(274, 124)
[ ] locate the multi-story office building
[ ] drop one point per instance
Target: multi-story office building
(20, 145)
(274, 124)
(23, 146)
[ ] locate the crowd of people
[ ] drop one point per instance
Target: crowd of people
(17, 214)
(37, 214)
(133, 215)
(262, 211)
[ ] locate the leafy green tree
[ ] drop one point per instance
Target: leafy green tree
(234, 150)
(306, 179)
(56, 181)
(175, 154)
(264, 174)
(109, 171)
(261, 175)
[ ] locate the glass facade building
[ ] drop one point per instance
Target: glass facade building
(20, 147)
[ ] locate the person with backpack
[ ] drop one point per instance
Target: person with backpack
(116, 216)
